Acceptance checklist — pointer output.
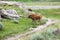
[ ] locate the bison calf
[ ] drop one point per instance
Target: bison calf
(35, 17)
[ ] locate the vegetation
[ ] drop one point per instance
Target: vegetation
(24, 23)
(36, 36)
(1, 26)
(51, 13)
(11, 28)
(35, 0)
(42, 3)
(45, 34)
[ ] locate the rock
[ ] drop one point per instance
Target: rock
(57, 31)
(12, 13)
(9, 13)
(2, 14)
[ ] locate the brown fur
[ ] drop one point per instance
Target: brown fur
(35, 17)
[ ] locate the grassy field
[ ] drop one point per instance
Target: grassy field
(49, 13)
(43, 4)
(36, 0)
(46, 33)
(24, 23)
(12, 28)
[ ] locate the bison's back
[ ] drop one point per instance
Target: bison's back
(35, 16)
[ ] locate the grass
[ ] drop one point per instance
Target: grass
(24, 23)
(46, 33)
(51, 13)
(35, 0)
(12, 28)
(43, 3)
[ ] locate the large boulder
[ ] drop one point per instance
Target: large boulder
(12, 13)
(9, 13)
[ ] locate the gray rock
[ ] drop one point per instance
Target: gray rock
(9, 13)
(2, 14)
(12, 13)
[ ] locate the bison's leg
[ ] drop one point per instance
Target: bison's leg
(34, 22)
(38, 20)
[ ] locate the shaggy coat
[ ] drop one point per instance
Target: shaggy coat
(35, 17)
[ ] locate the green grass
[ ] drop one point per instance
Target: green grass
(51, 13)
(24, 23)
(12, 28)
(36, 0)
(46, 33)
(42, 3)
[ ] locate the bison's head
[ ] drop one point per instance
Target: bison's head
(29, 16)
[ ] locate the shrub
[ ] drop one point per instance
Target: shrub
(1, 26)
(46, 35)
(43, 21)
(37, 36)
